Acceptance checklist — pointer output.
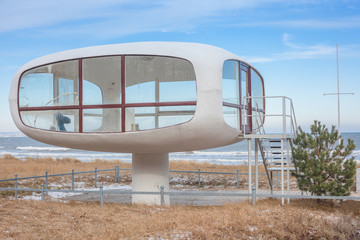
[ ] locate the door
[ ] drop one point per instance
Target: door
(246, 106)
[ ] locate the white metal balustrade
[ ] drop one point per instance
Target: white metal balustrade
(274, 147)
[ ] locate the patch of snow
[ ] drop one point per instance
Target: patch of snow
(116, 186)
(252, 228)
(36, 196)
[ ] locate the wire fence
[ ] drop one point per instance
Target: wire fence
(252, 196)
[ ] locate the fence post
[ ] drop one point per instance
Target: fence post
(115, 177)
(42, 193)
(199, 178)
(72, 179)
(253, 195)
(95, 176)
(237, 178)
(16, 185)
(117, 174)
(101, 196)
(358, 180)
(162, 200)
(46, 182)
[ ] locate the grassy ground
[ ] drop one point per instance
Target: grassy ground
(302, 219)
(267, 220)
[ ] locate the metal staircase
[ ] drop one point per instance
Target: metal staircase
(274, 148)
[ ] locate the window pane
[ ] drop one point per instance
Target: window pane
(244, 76)
(178, 91)
(92, 94)
(139, 118)
(102, 120)
(256, 90)
(143, 118)
(51, 85)
(231, 116)
(105, 73)
(54, 120)
(257, 119)
(173, 115)
(159, 79)
(231, 82)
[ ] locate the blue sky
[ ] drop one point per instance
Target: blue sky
(291, 43)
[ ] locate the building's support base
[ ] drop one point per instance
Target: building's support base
(150, 171)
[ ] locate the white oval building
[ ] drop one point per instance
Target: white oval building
(148, 99)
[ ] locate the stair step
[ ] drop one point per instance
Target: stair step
(275, 146)
(275, 141)
(278, 163)
(279, 158)
(276, 152)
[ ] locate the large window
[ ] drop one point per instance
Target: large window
(50, 85)
(243, 105)
(112, 94)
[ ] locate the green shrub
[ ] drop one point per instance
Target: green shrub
(322, 163)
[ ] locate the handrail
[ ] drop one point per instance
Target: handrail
(285, 113)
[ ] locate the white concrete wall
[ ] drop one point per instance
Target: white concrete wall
(207, 129)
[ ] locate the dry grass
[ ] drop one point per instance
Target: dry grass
(267, 220)
(302, 219)
(37, 166)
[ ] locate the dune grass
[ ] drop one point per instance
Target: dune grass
(301, 219)
(267, 220)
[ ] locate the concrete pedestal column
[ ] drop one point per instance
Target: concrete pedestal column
(150, 171)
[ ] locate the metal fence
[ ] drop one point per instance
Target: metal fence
(252, 196)
(116, 171)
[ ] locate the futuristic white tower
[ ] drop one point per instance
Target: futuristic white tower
(148, 99)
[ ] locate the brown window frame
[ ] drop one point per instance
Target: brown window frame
(241, 106)
(123, 105)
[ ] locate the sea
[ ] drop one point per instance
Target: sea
(23, 147)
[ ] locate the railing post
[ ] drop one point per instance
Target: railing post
(284, 115)
(115, 177)
(95, 176)
(16, 185)
(46, 182)
(42, 193)
(72, 179)
(253, 195)
(101, 196)
(237, 178)
(199, 178)
(162, 199)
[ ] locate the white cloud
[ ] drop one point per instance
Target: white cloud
(115, 17)
(335, 23)
(298, 51)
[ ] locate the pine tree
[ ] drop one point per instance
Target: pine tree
(323, 166)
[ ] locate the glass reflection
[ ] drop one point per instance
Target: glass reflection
(159, 79)
(51, 85)
(54, 120)
(230, 82)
